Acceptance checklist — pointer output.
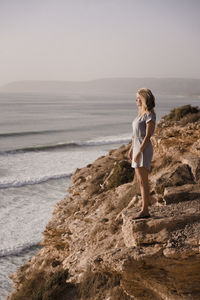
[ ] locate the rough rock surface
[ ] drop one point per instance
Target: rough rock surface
(92, 247)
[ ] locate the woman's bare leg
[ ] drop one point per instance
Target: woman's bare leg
(142, 178)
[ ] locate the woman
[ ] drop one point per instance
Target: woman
(141, 150)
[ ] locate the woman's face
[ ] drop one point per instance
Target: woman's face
(138, 100)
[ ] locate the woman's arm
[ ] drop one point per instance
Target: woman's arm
(149, 130)
(130, 151)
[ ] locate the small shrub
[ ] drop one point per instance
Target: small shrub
(190, 118)
(104, 220)
(113, 228)
(96, 285)
(58, 278)
(47, 287)
(121, 173)
(85, 202)
(177, 113)
(55, 263)
(30, 288)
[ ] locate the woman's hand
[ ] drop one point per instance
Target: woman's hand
(137, 157)
(130, 153)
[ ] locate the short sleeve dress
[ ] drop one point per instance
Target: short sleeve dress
(139, 132)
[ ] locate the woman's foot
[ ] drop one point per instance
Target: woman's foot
(142, 215)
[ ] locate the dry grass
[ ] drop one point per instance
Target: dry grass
(47, 287)
(98, 285)
(117, 293)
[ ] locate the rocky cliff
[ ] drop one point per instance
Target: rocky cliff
(92, 247)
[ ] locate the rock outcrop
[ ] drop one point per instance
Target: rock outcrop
(92, 247)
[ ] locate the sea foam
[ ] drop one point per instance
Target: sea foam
(106, 140)
(36, 167)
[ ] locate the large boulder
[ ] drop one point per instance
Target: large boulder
(181, 193)
(194, 163)
(155, 230)
(180, 175)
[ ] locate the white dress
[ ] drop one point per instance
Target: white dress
(139, 132)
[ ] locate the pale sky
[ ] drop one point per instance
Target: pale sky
(90, 39)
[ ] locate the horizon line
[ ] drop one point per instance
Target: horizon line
(96, 79)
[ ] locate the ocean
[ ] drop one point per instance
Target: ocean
(43, 139)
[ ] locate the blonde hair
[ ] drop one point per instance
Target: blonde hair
(149, 99)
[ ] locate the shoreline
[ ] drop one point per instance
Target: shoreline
(28, 253)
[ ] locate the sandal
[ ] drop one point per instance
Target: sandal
(141, 217)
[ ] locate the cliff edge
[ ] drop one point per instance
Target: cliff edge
(92, 247)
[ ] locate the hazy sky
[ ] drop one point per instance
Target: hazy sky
(90, 39)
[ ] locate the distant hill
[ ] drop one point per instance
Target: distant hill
(108, 86)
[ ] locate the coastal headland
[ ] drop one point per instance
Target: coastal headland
(92, 247)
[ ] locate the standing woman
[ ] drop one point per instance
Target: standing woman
(141, 151)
